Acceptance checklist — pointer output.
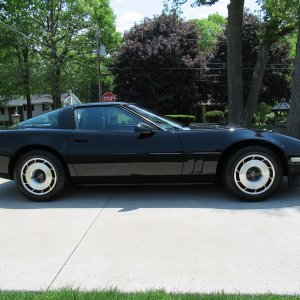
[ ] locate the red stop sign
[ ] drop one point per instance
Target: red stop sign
(108, 97)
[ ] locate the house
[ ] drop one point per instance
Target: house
(40, 104)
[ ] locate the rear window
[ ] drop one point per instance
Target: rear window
(48, 120)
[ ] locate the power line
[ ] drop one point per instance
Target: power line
(170, 68)
(225, 63)
(278, 66)
(32, 39)
(195, 68)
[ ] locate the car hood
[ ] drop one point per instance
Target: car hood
(195, 126)
(236, 134)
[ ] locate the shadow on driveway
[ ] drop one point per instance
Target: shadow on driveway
(128, 198)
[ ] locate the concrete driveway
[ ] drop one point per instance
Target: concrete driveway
(180, 238)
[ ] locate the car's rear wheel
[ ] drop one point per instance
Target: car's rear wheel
(39, 175)
(253, 173)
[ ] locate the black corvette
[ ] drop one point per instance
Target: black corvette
(119, 143)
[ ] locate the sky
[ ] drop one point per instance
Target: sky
(129, 12)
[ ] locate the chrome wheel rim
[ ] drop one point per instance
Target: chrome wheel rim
(38, 176)
(254, 174)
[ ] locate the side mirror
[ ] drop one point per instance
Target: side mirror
(143, 128)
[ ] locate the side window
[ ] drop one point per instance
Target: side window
(89, 118)
(105, 118)
(49, 120)
(116, 117)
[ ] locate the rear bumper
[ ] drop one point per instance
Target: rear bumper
(294, 170)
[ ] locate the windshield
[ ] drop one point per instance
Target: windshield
(48, 120)
(161, 122)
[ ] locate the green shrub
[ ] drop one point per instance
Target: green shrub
(182, 119)
(255, 119)
(263, 109)
(269, 119)
(215, 116)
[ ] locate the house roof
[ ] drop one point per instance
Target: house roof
(35, 99)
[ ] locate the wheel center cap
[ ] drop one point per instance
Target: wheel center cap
(39, 176)
(253, 174)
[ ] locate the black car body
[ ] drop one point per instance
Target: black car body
(122, 143)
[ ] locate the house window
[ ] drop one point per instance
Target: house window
(25, 107)
(2, 110)
(47, 107)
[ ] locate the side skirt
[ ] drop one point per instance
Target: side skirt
(187, 179)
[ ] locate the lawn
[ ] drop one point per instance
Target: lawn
(115, 295)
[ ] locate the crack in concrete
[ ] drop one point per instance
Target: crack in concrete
(80, 241)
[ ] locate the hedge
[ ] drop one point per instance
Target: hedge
(183, 119)
(215, 116)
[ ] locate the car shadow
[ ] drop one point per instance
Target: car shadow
(128, 198)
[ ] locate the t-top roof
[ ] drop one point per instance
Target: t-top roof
(101, 104)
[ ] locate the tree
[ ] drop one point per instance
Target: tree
(234, 56)
(293, 40)
(14, 13)
(234, 62)
(83, 82)
(279, 20)
(10, 79)
(159, 65)
(293, 124)
(65, 27)
(275, 84)
(62, 33)
(211, 29)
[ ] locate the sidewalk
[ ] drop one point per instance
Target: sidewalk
(186, 239)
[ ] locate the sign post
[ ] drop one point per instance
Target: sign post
(108, 97)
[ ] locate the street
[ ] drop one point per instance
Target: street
(177, 238)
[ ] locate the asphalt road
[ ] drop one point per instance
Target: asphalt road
(180, 238)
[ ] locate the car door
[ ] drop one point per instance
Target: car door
(105, 144)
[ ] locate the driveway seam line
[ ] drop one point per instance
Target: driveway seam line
(80, 241)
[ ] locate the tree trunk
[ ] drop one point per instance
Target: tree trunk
(234, 62)
(256, 82)
(26, 82)
(56, 65)
(55, 77)
(293, 124)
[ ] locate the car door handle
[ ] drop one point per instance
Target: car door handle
(81, 139)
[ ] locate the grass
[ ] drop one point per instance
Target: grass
(69, 294)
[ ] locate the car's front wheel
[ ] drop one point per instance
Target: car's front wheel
(39, 175)
(253, 173)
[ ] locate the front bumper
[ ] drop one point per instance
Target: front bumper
(294, 170)
(4, 167)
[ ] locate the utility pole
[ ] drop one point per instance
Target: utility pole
(99, 64)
